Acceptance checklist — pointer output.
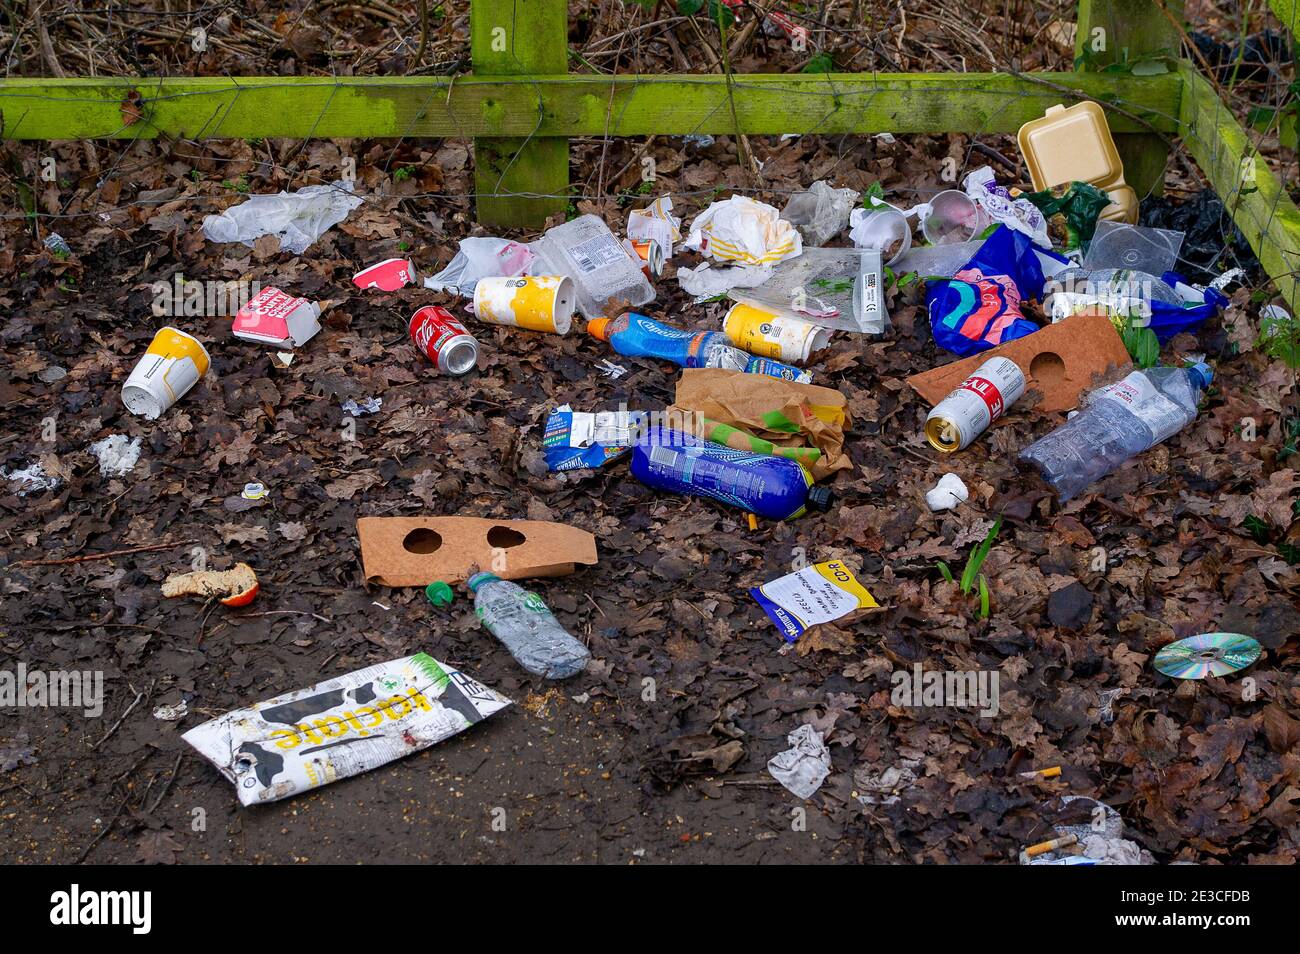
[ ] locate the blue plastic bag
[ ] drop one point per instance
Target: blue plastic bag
(979, 307)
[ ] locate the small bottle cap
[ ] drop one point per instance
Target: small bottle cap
(1203, 372)
(598, 328)
(819, 498)
(478, 579)
(439, 593)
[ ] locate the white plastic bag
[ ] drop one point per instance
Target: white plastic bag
(480, 258)
(821, 213)
(803, 767)
(297, 218)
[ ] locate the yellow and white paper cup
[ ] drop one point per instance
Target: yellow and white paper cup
(535, 302)
(174, 363)
(770, 335)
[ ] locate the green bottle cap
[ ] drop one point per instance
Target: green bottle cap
(439, 593)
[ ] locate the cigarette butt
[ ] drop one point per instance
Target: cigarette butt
(753, 521)
(1043, 847)
(1053, 772)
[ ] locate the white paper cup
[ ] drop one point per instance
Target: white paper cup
(174, 363)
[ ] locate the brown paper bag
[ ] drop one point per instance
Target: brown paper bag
(745, 411)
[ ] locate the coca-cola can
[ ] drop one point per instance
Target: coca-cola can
(439, 335)
(978, 401)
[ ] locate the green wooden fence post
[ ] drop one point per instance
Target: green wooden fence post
(510, 38)
(1120, 31)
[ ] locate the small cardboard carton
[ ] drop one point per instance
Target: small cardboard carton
(416, 551)
(1060, 362)
(276, 318)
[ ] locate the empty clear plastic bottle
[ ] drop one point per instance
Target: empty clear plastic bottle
(522, 622)
(1119, 422)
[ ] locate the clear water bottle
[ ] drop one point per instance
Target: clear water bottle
(1119, 422)
(522, 622)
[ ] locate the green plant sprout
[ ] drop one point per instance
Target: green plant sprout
(971, 576)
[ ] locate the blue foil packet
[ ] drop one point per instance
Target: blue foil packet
(577, 440)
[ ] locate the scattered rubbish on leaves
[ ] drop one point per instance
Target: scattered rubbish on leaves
(341, 727)
(389, 275)
(770, 335)
(976, 403)
(1167, 306)
(366, 406)
(524, 624)
(32, 479)
(1060, 362)
(881, 228)
(172, 713)
(655, 223)
(603, 274)
(937, 261)
(1073, 212)
(1001, 206)
(815, 594)
(534, 302)
(411, 551)
(762, 415)
(744, 232)
(439, 593)
(1207, 654)
(1043, 773)
(1075, 145)
(1087, 832)
(173, 363)
(297, 219)
(444, 340)
(1117, 423)
(840, 289)
(638, 336)
(276, 318)
(979, 307)
(1120, 245)
(947, 493)
(479, 258)
(610, 370)
(117, 455)
(234, 587)
(254, 491)
(57, 244)
(704, 282)
(821, 213)
(773, 488)
(805, 765)
(575, 440)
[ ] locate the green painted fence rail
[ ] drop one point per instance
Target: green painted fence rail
(521, 108)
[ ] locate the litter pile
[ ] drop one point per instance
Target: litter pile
(1052, 302)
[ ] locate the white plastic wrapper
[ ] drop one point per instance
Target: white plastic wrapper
(297, 218)
(803, 767)
(341, 727)
(480, 258)
(740, 231)
(706, 281)
(1019, 214)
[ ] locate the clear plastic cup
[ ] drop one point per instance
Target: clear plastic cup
(952, 217)
(886, 230)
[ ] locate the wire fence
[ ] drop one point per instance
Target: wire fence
(341, 41)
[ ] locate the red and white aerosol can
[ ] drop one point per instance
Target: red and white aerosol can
(445, 340)
(978, 401)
